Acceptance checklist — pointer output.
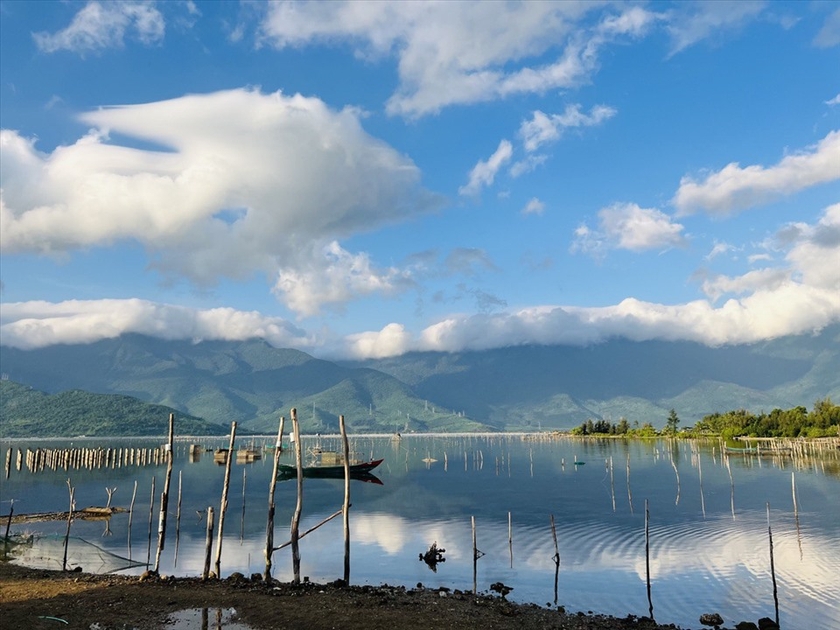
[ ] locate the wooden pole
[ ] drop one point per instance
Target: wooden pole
(312, 529)
(772, 565)
(72, 491)
(164, 497)
(475, 557)
(299, 503)
(346, 507)
(130, 515)
(178, 520)
(272, 485)
(151, 518)
(510, 539)
(224, 504)
(647, 557)
(242, 517)
(208, 544)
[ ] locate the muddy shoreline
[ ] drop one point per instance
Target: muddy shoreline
(34, 598)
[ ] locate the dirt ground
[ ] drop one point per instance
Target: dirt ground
(35, 599)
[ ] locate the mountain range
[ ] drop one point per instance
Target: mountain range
(515, 388)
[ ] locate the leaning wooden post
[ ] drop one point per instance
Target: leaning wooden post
(647, 557)
(208, 544)
(299, 503)
(272, 485)
(772, 565)
(346, 507)
(164, 497)
(224, 504)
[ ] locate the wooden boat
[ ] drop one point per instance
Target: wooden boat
(360, 471)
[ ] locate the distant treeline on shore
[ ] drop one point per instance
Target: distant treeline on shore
(822, 421)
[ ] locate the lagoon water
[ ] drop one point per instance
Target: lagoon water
(709, 544)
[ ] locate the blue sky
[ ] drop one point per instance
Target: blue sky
(365, 179)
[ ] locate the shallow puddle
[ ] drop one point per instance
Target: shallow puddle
(206, 619)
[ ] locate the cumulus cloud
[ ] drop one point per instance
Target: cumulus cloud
(534, 206)
(543, 128)
(241, 180)
(799, 297)
(734, 188)
(484, 172)
(628, 226)
(719, 249)
(336, 277)
(752, 281)
(692, 22)
(29, 325)
(462, 52)
(829, 34)
(98, 26)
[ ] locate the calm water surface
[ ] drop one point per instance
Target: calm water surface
(709, 546)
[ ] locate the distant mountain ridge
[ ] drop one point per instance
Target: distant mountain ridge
(516, 388)
(27, 412)
(251, 382)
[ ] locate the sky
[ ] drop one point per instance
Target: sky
(364, 179)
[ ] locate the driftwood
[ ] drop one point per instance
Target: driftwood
(87, 514)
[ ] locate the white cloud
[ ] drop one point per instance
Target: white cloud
(484, 172)
(534, 206)
(628, 226)
(104, 25)
(335, 277)
(829, 34)
(462, 52)
(719, 249)
(692, 22)
(799, 298)
(833, 101)
(542, 128)
(734, 188)
(750, 282)
(29, 325)
(241, 181)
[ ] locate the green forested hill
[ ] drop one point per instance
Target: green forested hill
(250, 382)
(26, 412)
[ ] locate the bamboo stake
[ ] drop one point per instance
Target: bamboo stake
(629, 494)
(208, 544)
(224, 503)
(677, 473)
(510, 539)
(72, 491)
(164, 497)
(9, 522)
(475, 557)
(242, 517)
(130, 515)
(299, 503)
(151, 518)
(272, 485)
(647, 557)
(612, 483)
(772, 565)
(346, 508)
(178, 520)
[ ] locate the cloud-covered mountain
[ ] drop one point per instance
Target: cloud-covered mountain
(522, 387)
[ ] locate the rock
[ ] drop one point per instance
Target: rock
(746, 625)
(711, 619)
(236, 577)
(765, 623)
(256, 577)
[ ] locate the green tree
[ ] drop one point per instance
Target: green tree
(672, 422)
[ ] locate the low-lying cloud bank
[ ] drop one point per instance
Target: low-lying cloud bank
(787, 309)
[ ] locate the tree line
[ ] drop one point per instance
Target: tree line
(822, 421)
